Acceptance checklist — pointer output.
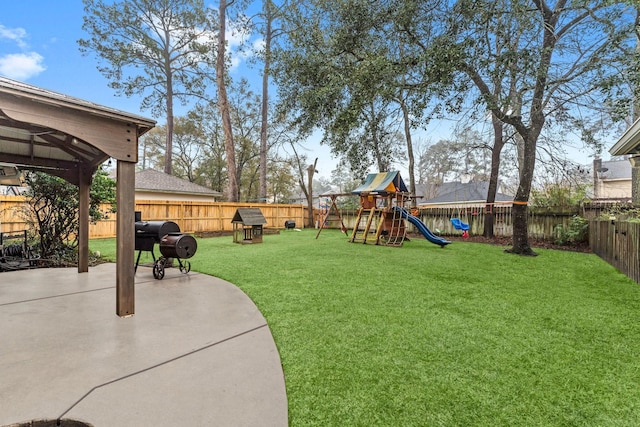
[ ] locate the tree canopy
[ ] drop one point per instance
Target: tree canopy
(525, 62)
(154, 48)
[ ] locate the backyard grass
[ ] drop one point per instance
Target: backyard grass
(422, 336)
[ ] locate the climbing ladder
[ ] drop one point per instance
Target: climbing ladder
(396, 229)
(367, 216)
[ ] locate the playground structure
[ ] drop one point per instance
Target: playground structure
(377, 222)
(381, 218)
(329, 211)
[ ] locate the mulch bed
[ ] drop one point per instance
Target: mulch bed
(534, 243)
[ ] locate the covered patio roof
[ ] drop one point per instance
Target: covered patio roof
(70, 138)
(629, 142)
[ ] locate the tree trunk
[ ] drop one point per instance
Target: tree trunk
(311, 170)
(635, 185)
(635, 171)
(635, 84)
(496, 151)
(407, 135)
(168, 155)
(521, 201)
(223, 105)
(265, 101)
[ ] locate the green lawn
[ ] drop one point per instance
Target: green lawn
(461, 336)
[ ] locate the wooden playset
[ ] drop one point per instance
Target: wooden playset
(382, 216)
(377, 221)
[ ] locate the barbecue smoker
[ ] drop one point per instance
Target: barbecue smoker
(172, 243)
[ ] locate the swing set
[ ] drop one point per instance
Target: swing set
(458, 224)
(328, 213)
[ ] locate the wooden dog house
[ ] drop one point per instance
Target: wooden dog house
(247, 225)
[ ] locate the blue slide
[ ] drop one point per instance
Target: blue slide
(422, 228)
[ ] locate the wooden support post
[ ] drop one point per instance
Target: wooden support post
(125, 239)
(84, 186)
(357, 224)
(323, 218)
(372, 212)
(381, 224)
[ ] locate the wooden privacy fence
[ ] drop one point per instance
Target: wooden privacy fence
(618, 243)
(10, 217)
(203, 217)
(542, 223)
(191, 217)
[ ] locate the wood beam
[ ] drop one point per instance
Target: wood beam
(125, 239)
(40, 163)
(84, 186)
(117, 139)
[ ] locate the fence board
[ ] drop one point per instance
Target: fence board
(542, 224)
(618, 243)
(191, 217)
(10, 216)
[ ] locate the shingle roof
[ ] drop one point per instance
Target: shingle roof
(249, 216)
(152, 180)
(456, 192)
(616, 169)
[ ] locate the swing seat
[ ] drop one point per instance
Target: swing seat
(459, 225)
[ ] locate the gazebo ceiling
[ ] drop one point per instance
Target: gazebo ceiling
(32, 146)
(44, 130)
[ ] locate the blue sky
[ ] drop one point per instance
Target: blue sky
(38, 45)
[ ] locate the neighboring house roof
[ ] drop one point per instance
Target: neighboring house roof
(155, 181)
(457, 192)
(382, 183)
(249, 216)
(615, 169)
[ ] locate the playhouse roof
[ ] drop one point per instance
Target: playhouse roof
(249, 216)
(382, 183)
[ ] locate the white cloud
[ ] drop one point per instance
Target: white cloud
(258, 45)
(235, 63)
(17, 35)
(21, 66)
(236, 35)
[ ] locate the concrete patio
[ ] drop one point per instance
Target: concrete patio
(196, 353)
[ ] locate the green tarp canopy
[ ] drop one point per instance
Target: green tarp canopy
(382, 183)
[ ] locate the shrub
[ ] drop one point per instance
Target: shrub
(622, 212)
(558, 196)
(52, 213)
(576, 232)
